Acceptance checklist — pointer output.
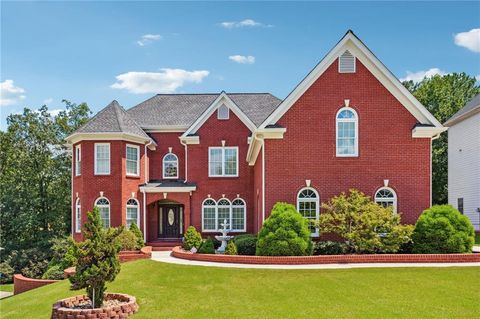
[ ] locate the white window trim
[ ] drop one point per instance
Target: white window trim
(109, 159)
(78, 216)
(163, 166)
(78, 160)
(133, 206)
(217, 224)
(138, 159)
(337, 120)
(244, 229)
(395, 198)
(317, 206)
(109, 209)
(223, 148)
(215, 207)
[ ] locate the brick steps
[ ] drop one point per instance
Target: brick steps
(164, 245)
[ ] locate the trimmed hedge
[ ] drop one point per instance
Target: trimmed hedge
(246, 244)
(192, 239)
(207, 247)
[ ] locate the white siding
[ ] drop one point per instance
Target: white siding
(464, 167)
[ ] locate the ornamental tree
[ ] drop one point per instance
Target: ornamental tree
(97, 258)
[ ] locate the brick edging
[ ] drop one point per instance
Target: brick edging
(22, 283)
(178, 252)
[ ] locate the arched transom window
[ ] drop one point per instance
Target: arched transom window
(347, 132)
(103, 205)
(214, 214)
(132, 212)
(308, 205)
(386, 197)
(170, 166)
(78, 216)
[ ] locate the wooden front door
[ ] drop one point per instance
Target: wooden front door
(170, 221)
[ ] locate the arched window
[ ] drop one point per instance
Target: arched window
(238, 215)
(170, 166)
(209, 213)
(308, 205)
(347, 132)
(132, 212)
(223, 212)
(78, 216)
(386, 197)
(223, 112)
(103, 205)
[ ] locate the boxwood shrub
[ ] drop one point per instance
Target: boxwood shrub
(192, 239)
(207, 247)
(246, 244)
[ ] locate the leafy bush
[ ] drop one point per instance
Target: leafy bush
(231, 248)
(138, 234)
(6, 273)
(97, 258)
(329, 248)
(126, 239)
(207, 247)
(366, 226)
(192, 239)
(246, 244)
(54, 272)
(284, 233)
(442, 229)
(31, 263)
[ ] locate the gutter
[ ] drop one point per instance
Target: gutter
(186, 159)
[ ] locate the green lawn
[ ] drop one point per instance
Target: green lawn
(6, 287)
(176, 291)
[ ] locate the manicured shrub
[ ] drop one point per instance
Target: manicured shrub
(246, 244)
(284, 233)
(6, 273)
(192, 239)
(365, 226)
(54, 272)
(138, 234)
(97, 258)
(231, 248)
(126, 239)
(329, 248)
(216, 243)
(442, 229)
(207, 247)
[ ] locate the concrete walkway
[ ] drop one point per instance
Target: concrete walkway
(5, 294)
(164, 256)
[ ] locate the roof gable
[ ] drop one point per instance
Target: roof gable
(471, 108)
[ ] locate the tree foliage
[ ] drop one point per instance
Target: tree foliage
(192, 239)
(365, 226)
(443, 96)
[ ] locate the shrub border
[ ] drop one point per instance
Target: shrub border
(178, 252)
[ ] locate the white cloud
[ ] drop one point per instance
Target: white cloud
(244, 23)
(48, 101)
(10, 94)
(420, 75)
(148, 38)
(242, 59)
(469, 40)
(165, 81)
(477, 77)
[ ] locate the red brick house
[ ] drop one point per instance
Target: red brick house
(177, 160)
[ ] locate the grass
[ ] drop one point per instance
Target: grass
(6, 287)
(177, 291)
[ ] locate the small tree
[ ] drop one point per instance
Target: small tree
(366, 226)
(192, 239)
(231, 248)
(97, 260)
(138, 233)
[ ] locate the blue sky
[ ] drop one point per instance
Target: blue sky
(95, 52)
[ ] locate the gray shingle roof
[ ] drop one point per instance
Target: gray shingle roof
(112, 119)
(185, 109)
(469, 109)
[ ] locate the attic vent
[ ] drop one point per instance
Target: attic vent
(223, 113)
(346, 63)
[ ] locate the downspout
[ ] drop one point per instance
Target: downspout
(262, 143)
(144, 194)
(186, 159)
(431, 168)
(72, 208)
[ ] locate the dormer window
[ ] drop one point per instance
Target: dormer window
(223, 112)
(346, 63)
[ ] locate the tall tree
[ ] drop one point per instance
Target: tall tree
(443, 96)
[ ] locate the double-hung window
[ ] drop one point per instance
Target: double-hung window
(347, 133)
(102, 158)
(215, 214)
(132, 160)
(78, 160)
(132, 212)
(223, 161)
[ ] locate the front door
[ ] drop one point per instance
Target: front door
(170, 221)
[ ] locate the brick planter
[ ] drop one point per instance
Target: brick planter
(178, 252)
(62, 310)
(22, 283)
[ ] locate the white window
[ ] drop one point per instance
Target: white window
(223, 112)
(386, 197)
(78, 216)
(170, 166)
(132, 212)
(347, 133)
(102, 158)
(346, 63)
(223, 161)
(132, 160)
(78, 160)
(103, 206)
(308, 205)
(214, 214)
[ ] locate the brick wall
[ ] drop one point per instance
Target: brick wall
(22, 284)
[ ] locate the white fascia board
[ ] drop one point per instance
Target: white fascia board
(153, 189)
(257, 140)
(361, 52)
(165, 128)
(100, 136)
(190, 139)
(427, 131)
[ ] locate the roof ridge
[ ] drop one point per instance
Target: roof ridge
(118, 108)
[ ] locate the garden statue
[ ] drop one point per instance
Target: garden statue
(223, 238)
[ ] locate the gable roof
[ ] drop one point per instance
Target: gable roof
(182, 110)
(351, 42)
(471, 108)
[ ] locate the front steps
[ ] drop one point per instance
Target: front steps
(164, 244)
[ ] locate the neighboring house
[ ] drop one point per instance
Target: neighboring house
(464, 160)
(177, 160)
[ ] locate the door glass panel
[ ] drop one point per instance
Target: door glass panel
(171, 217)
